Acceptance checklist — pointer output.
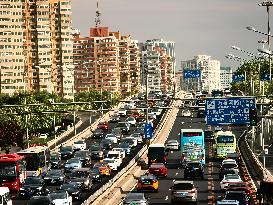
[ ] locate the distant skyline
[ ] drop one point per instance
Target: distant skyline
(207, 27)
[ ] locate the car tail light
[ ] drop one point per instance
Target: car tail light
(154, 181)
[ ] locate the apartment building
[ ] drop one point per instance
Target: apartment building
(210, 73)
(225, 77)
(105, 60)
(158, 60)
(36, 46)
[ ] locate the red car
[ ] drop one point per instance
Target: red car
(158, 169)
(104, 126)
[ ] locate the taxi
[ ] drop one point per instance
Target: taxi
(104, 168)
(147, 182)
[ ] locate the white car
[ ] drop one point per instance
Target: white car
(172, 145)
(131, 121)
(156, 111)
(60, 197)
(229, 161)
(133, 139)
(229, 178)
(113, 163)
(79, 145)
(138, 136)
(112, 137)
(122, 112)
(121, 150)
(186, 113)
(188, 95)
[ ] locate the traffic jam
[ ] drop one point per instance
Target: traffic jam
(38, 176)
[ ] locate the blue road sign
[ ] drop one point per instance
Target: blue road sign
(223, 111)
(192, 74)
(265, 76)
(148, 131)
(236, 77)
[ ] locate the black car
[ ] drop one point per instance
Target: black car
(98, 133)
(55, 161)
(67, 152)
(96, 175)
(125, 146)
(240, 196)
(125, 127)
(114, 118)
(96, 151)
(54, 176)
(193, 170)
(81, 176)
(201, 113)
(208, 135)
(33, 186)
(106, 144)
(84, 156)
(40, 200)
(73, 189)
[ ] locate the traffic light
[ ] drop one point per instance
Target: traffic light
(253, 118)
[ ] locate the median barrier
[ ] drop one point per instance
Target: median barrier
(131, 165)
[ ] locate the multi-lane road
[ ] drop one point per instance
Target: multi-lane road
(209, 187)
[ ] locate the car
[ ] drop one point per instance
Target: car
(138, 136)
(229, 178)
(228, 171)
(73, 189)
(43, 136)
(96, 151)
(186, 113)
(54, 176)
(125, 127)
(33, 186)
(67, 152)
(73, 163)
(60, 197)
(240, 196)
(209, 135)
(121, 150)
(122, 112)
(126, 147)
(201, 113)
(187, 104)
(227, 202)
(156, 111)
(188, 95)
(240, 186)
(104, 126)
(135, 198)
(193, 170)
(233, 155)
(147, 182)
(230, 164)
(117, 132)
(114, 164)
(96, 175)
(55, 161)
(132, 140)
(104, 168)
(81, 176)
(183, 191)
(172, 145)
(106, 144)
(158, 169)
(84, 157)
(140, 130)
(131, 120)
(115, 118)
(111, 137)
(98, 133)
(40, 200)
(79, 145)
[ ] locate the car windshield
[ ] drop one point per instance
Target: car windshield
(54, 172)
(134, 196)
(227, 177)
(121, 125)
(229, 166)
(73, 161)
(32, 180)
(79, 174)
(95, 148)
(110, 135)
(172, 142)
(69, 186)
(79, 142)
(109, 160)
(195, 165)
(54, 157)
(183, 186)
(235, 196)
(38, 201)
(235, 185)
(58, 195)
(81, 154)
(66, 149)
(124, 145)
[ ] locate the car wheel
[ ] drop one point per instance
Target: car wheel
(156, 190)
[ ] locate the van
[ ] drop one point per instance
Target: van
(5, 196)
(115, 155)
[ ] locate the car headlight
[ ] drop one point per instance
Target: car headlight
(46, 178)
(22, 189)
(39, 188)
(86, 182)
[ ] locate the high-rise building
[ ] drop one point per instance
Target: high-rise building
(158, 61)
(210, 73)
(225, 77)
(105, 60)
(36, 46)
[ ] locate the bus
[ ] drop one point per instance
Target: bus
(37, 159)
(192, 146)
(12, 171)
(157, 154)
(225, 142)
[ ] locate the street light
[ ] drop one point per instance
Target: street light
(257, 31)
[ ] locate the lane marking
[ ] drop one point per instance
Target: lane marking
(166, 198)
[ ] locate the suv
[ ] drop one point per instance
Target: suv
(228, 164)
(240, 196)
(183, 191)
(125, 127)
(81, 176)
(194, 169)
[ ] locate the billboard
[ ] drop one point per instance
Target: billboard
(192, 74)
(236, 77)
(265, 76)
(221, 111)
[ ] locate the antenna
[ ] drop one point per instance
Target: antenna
(98, 14)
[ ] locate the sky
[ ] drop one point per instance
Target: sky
(207, 27)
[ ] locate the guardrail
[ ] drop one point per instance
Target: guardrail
(131, 164)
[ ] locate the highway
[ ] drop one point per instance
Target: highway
(209, 188)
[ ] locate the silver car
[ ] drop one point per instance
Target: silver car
(183, 191)
(135, 198)
(172, 145)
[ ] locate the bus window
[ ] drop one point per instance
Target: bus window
(225, 139)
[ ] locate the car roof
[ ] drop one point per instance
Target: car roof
(182, 182)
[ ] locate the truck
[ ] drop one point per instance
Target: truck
(157, 154)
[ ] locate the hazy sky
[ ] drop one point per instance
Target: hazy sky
(208, 27)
